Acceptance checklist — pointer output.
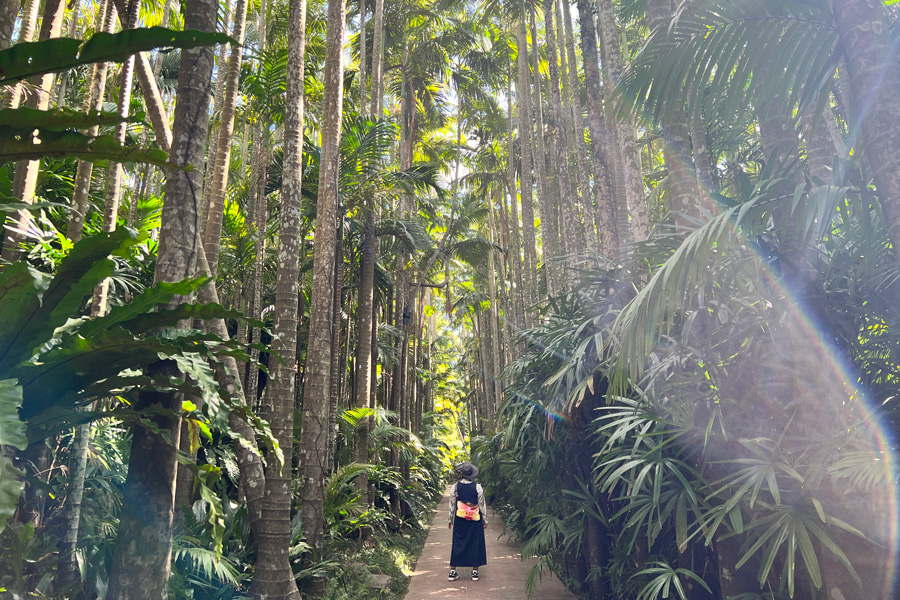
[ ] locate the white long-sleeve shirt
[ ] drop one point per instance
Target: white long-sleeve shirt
(482, 505)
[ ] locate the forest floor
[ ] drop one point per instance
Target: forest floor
(503, 578)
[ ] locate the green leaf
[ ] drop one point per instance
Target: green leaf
(141, 308)
(59, 54)
(28, 325)
(34, 143)
(60, 119)
(12, 433)
(21, 289)
(11, 486)
(12, 430)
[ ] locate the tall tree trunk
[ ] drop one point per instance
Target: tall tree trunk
(505, 295)
(216, 207)
(364, 373)
(529, 274)
(362, 56)
(259, 175)
(575, 117)
(218, 98)
(156, 110)
(73, 32)
(514, 254)
(547, 187)
(676, 149)
(706, 182)
(25, 181)
(9, 10)
(629, 159)
(377, 60)
(141, 561)
(93, 101)
(875, 85)
(274, 577)
(114, 176)
(494, 314)
(604, 191)
(68, 565)
(318, 362)
(571, 231)
(338, 367)
(820, 149)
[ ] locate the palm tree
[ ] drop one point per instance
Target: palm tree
(608, 230)
(114, 177)
(141, 570)
(523, 95)
(274, 577)
(93, 101)
(875, 83)
(629, 165)
(221, 162)
(317, 372)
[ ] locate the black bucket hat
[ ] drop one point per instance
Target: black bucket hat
(467, 470)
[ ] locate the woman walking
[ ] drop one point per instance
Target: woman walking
(468, 519)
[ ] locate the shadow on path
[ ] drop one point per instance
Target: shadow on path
(503, 578)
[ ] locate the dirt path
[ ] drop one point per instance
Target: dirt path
(503, 578)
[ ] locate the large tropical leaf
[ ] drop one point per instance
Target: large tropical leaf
(60, 119)
(34, 304)
(725, 49)
(12, 433)
(50, 56)
(38, 142)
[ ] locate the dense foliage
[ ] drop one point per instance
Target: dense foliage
(272, 267)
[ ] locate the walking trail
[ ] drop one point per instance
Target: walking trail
(503, 578)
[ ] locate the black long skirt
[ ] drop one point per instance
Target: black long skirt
(468, 544)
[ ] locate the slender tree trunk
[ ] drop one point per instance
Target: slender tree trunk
(571, 231)
(141, 561)
(706, 182)
(547, 187)
(629, 159)
(218, 98)
(364, 374)
(494, 314)
(25, 181)
(318, 366)
(514, 254)
(875, 84)
(529, 274)
(259, 175)
(338, 367)
(93, 101)
(604, 190)
(362, 56)
(68, 565)
(505, 296)
(114, 176)
(572, 99)
(377, 59)
(274, 577)
(219, 184)
(73, 32)
(156, 110)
